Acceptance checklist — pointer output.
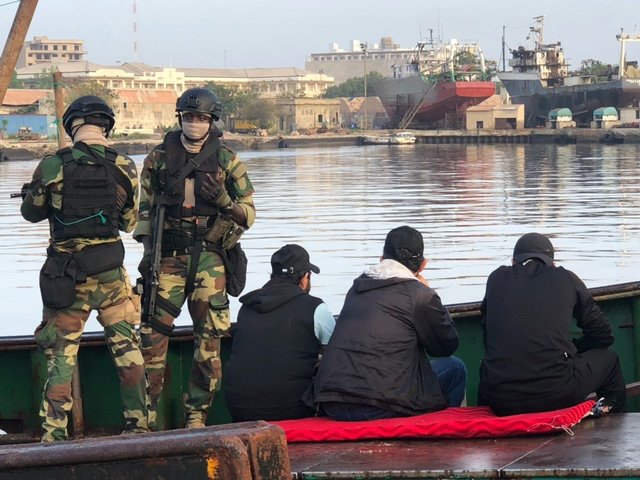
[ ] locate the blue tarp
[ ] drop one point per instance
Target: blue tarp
(41, 124)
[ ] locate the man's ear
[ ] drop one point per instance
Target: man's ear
(423, 265)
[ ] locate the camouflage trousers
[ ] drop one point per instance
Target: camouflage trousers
(209, 309)
(59, 335)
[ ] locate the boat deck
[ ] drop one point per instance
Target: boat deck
(599, 448)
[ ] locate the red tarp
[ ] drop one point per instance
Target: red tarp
(463, 422)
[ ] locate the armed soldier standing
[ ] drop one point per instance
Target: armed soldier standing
(206, 196)
(88, 193)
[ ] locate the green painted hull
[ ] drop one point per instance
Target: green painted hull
(24, 368)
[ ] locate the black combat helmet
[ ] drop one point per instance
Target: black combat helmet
(94, 110)
(200, 100)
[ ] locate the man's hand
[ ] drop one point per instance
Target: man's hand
(214, 192)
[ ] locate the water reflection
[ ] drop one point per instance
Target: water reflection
(470, 202)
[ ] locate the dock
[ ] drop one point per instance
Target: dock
(596, 448)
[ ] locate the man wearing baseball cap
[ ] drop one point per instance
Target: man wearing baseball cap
(277, 340)
(375, 364)
(531, 363)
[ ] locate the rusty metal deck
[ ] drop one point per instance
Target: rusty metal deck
(600, 448)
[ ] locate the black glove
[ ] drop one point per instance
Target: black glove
(145, 265)
(215, 193)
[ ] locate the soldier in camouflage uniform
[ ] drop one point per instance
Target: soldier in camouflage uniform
(88, 193)
(214, 199)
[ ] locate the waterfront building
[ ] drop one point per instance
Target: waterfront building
(20, 101)
(308, 114)
(494, 114)
(270, 82)
(44, 50)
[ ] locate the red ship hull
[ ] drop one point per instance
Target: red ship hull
(440, 99)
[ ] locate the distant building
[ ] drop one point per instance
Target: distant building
(493, 114)
(32, 101)
(605, 117)
(307, 113)
(343, 65)
(560, 118)
(270, 82)
(145, 111)
(45, 50)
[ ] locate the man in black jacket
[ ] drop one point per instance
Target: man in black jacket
(531, 364)
(278, 336)
(375, 364)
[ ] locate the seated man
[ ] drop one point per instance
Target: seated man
(375, 364)
(530, 363)
(277, 340)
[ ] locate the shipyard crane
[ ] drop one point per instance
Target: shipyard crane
(623, 39)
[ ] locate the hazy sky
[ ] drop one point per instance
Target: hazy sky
(281, 33)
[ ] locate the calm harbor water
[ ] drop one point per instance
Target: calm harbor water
(470, 202)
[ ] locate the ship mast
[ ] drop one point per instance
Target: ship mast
(622, 38)
(538, 30)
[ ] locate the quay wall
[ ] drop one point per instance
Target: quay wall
(12, 150)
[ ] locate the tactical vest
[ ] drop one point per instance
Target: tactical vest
(175, 157)
(89, 195)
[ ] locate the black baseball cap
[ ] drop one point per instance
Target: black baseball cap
(533, 245)
(292, 258)
(404, 243)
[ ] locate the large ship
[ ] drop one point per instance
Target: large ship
(540, 80)
(435, 87)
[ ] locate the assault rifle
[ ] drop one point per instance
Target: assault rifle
(22, 193)
(152, 279)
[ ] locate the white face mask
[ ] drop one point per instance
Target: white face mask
(195, 130)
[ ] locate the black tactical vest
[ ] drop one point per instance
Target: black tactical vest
(175, 157)
(89, 197)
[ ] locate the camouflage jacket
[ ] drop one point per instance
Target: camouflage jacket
(44, 197)
(242, 189)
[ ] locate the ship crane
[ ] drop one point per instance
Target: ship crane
(623, 39)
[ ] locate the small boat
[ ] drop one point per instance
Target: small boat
(400, 138)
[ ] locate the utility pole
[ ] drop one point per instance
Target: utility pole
(58, 96)
(14, 43)
(504, 68)
(363, 47)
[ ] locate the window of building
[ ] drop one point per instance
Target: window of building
(38, 56)
(45, 47)
(55, 47)
(76, 48)
(479, 124)
(64, 47)
(47, 56)
(637, 114)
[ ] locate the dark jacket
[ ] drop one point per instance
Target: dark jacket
(274, 353)
(376, 355)
(526, 320)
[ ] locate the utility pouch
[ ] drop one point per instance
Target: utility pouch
(232, 236)
(235, 264)
(219, 229)
(100, 258)
(58, 282)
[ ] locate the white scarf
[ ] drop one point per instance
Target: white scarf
(194, 130)
(388, 268)
(89, 134)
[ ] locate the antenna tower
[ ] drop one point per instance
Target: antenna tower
(135, 31)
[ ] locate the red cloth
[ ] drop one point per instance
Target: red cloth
(463, 422)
